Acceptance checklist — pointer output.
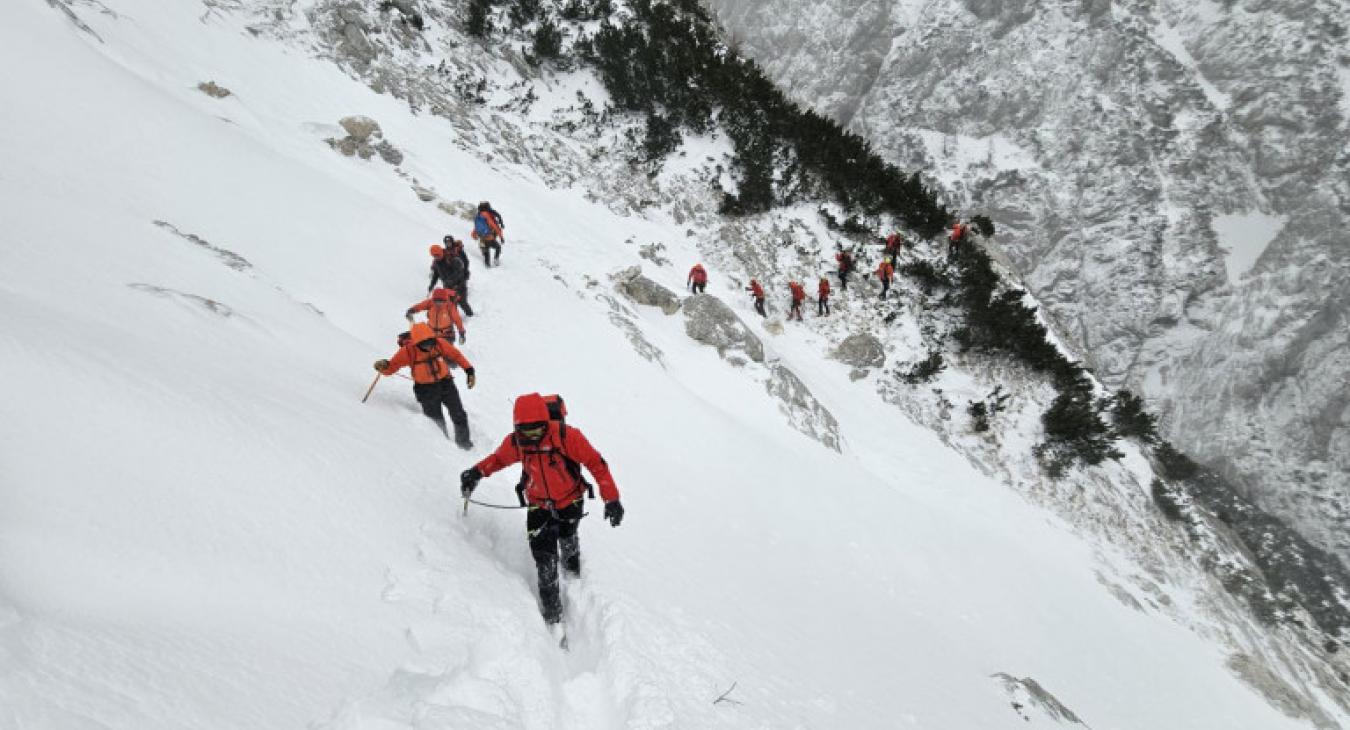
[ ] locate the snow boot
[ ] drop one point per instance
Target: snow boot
(571, 554)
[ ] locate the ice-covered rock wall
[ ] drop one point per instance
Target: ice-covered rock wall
(1172, 179)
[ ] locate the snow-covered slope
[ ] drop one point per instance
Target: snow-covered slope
(1172, 179)
(202, 527)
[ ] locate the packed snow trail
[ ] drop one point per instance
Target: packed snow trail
(202, 527)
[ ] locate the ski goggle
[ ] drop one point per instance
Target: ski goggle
(532, 431)
(426, 345)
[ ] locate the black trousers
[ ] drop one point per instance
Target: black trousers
(822, 306)
(796, 311)
(463, 290)
(488, 248)
(444, 393)
(698, 287)
(553, 536)
(885, 286)
(843, 278)
(759, 307)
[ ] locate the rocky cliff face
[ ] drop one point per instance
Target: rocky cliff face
(1171, 178)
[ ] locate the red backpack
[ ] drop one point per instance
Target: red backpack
(557, 412)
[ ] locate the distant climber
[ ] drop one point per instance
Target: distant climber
(757, 293)
(549, 452)
(960, 232)
(452, 272)
(885, 272)
(894, 244)
(845, 260)
(798, 296)
(487, 230)
(430, 358)
(698, 279)
(823, 297)
(442, 314)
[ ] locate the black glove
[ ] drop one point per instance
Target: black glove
(614, 512)
(468, 480)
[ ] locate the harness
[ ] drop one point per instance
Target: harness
(438, 366)
(556, 455)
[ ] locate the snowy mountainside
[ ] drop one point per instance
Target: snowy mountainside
(203, 527)
(1171, 178)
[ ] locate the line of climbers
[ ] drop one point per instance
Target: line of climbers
(551, 453)
(845, 265)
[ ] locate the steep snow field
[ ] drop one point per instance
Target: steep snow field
(202, 527)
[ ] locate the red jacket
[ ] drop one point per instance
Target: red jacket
(823, 289)
(427, 367)
(798, 291)
(756, 290)
(958, 232)
(546, 467)
(698, 275)
(845, 260)
(885, 270)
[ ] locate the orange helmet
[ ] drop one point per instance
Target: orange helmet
(420, 332)
(437, 251)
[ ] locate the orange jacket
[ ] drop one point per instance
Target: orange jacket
(442, 314)
(885, 270)
(428, 367)
(756, 290)
(823, 288)
(798, 291)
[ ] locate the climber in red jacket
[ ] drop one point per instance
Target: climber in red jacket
(885, 272)
(757, 293)
(551, 453)
(823, 297)
(698, 279)
(798, 296)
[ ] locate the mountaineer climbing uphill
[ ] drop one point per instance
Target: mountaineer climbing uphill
(487, 230)
(452, 272)
(845, 260)
(894, 244)
(757, 293)
(959, 233)
(551, 453)
(697, 282)
(798, 296)
(442, 314)
(430, 358)
(823, 297)
(885, 272)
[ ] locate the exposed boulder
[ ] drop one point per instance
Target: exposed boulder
(632, 284)
(361, 128)
(861, 350)
(365, 139)
(803, 411)
(710, 321)
(213, 90)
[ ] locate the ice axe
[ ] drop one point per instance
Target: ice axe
(371, 389)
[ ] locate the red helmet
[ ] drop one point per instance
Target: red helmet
(442, 294)
(437, 251)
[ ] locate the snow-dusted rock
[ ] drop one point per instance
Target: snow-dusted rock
(631, 283)
(710, 321)
(861, 350)
(361, 128)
